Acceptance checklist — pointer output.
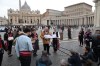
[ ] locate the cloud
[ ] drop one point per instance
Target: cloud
(41, 5)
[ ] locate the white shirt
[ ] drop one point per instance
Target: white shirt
(23, 43)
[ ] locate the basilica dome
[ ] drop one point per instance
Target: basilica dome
(25, 6)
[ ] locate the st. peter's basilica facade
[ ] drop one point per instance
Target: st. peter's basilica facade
(24, 15)
(79, 14)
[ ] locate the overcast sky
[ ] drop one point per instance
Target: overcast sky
(41, 5)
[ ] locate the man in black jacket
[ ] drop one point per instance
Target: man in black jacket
(80, 37)
(74, 59)
(6, 39)
(96, 45)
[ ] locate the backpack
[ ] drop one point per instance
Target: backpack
(0, 44)
(10, 37)
(1, 49)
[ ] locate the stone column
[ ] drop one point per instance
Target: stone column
(78, 22)
(85, 20)
(91, 19)
(97, 13)
(17, 19)
(74, 21)
(88, 20)
(13, 20)
(68, 21)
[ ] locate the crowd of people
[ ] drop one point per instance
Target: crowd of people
(92, 45)
(26, 41)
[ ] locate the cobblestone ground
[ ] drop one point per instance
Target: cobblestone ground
(68, 44)
(71, 44)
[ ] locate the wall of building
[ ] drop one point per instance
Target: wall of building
(79, 14)
(31, 17)
(77, 9)
(75, 15)
(3, 21)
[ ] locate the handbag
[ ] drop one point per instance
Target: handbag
(1, 51)
(10, 38)
(6, 44)
(33, 41)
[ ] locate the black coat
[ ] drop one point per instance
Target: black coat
(55, 40)
(96, 43)
(81, 34)
(36, 44)
(74, 60)
(6, 36)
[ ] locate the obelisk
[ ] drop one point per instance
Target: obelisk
(97, 13)
(20, 13)
(19, 5)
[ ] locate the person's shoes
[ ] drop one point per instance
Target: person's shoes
(49, 54)
(10, 55)
(98, 64)
(35, 55)
(80, 45)
(55, 51)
